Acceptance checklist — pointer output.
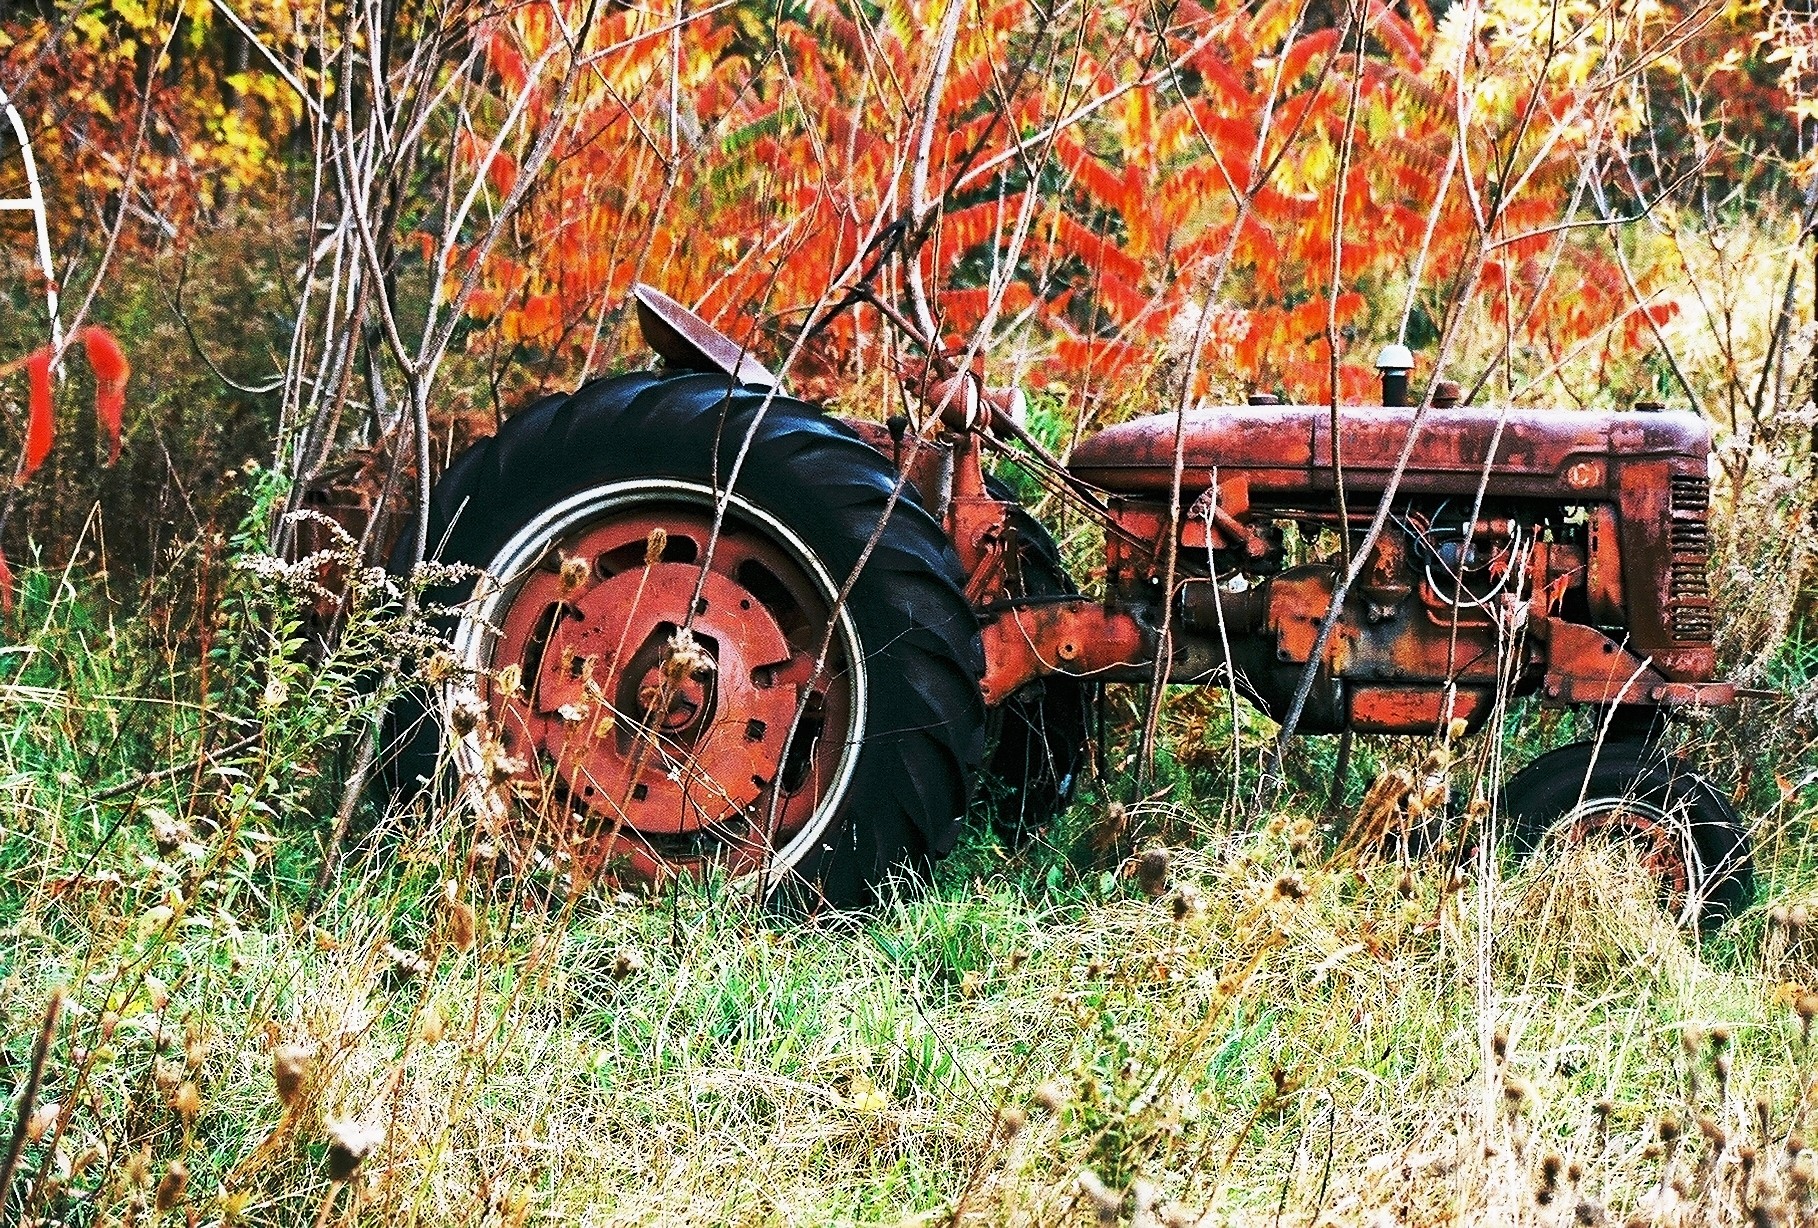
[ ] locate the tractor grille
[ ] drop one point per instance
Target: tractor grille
(1688, 587)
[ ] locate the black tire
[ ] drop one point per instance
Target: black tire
(1684, 829)
(1041, 734)
(820, 493)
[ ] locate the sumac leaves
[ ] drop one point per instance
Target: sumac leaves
(108, 363)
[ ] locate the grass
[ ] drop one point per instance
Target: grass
(1260, 1026)
(1036, 1039)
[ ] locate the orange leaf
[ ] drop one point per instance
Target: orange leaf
(6, 586)
(38, 426)
(502, 173)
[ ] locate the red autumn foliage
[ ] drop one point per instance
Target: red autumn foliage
(758, 173)
(108, 361)
(38, 428)
(111, 370)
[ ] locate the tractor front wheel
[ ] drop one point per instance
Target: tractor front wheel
(1685, 833)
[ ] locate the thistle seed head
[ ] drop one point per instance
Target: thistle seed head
(170, 1187)
(1152, 872)
(574, 576)
(350, 1141)
(1105, 1200)
(289, 1068)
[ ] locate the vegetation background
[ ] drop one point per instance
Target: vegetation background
(338, 238)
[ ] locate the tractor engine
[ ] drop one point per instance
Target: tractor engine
(1551, 551)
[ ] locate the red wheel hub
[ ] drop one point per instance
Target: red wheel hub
(656, 695)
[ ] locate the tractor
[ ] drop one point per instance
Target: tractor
(707, 628)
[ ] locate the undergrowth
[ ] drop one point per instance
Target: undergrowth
(1188, 1007)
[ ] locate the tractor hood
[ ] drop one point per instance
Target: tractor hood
(1286, 451)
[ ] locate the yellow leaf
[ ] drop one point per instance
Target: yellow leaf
(154, 920)
(863, 1095)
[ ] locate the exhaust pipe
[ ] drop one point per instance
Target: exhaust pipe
(1394, 365)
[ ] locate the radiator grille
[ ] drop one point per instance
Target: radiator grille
(1688, 587)
(1691, 493)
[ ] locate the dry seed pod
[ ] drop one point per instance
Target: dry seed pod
(1152, 872)
(166, 1076)
(574, 575)
(170, 1188)
(1109, 829)
(1803, 1172)
(1185, 904)
(1806, 1006)
(1106, 1201)
(1050, 1096)
(463, 928)
(349, 1143)
(289, 1068)
(186, 1101)
(1768, 1213)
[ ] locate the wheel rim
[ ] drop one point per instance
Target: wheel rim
(646, 742)
(1662, 843)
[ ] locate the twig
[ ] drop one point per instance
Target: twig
(151, 778)
(22, 1116)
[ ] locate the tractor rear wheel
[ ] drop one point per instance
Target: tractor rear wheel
(661, 677)
(1683, 831)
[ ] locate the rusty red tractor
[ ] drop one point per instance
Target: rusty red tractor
(718, 630)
